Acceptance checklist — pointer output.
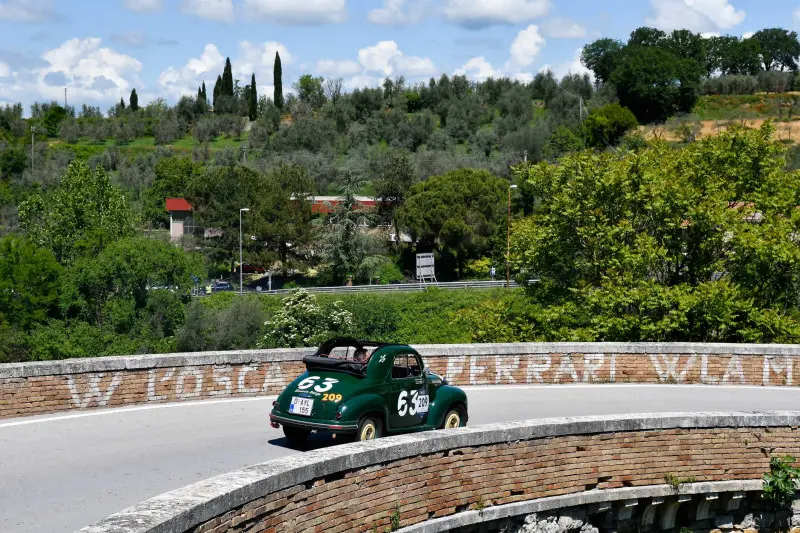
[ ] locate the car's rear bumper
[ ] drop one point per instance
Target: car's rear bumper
(307, 424)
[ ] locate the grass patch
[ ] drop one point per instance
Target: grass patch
(730, 107)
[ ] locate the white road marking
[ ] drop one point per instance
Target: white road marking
(101, 412)
(468, 389)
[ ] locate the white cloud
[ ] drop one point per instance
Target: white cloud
(144, 5)
(253, 58)
(563, 28)
(338, 68)
(296, 11)
(217, 10)
(573, 66)
(478, 13)
(93, 73)
(748, 34)
(695, 15)
(393, 13)
(525, 48)
(709, 34)
(386, 57)
(185, 80)
(26, 10)
(5, 70)
(479, 69)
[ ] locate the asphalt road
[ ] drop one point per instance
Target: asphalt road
(60, 473)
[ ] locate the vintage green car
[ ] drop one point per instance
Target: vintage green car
(367, 390)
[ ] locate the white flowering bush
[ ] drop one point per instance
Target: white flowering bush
(301, 322)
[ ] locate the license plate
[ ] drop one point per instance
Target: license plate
(301, 406)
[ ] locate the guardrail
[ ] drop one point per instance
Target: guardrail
(397, 287)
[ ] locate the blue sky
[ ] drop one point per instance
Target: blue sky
(100, 49)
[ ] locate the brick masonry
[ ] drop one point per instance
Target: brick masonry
(355, 487)
(47, 387)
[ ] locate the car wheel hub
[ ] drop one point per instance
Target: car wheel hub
(453, 421)
(368, 433)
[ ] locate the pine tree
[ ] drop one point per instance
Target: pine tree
(253, 99)
(227, 78)
(277, 75)
(217, 90)
(134, 101)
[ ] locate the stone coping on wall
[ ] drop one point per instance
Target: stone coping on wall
(139, 362)
(186, 508)
(490, 514)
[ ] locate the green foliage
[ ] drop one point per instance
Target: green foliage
(606, 125)
(53, 118)
(117, 287)
(134, 101)
(458, 213)
(234, 326)
(675, 482)
(309, 90)
(13, 162)
(172, 178)
(778, 48)
(394, 520)
(81, 217)
(29, 281)
(781, 482)
(303, 322)
(652, 246)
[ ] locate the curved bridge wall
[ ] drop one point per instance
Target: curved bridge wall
(45, 387)
(436, 476)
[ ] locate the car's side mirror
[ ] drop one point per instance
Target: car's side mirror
(427, 370)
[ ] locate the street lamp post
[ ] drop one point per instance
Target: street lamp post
(241, 270)
(508, 241)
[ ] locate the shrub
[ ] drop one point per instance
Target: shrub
(606, 125)
(302, 322)
(780, 483)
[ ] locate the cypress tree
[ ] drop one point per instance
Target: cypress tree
(227, 78)
(277, 75)
(122, 103)
(217, 90)
(253, 103)
(134, 101)
(205, 96)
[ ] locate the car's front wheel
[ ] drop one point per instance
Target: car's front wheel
(296, 435)
(369, 428)
(454, 418)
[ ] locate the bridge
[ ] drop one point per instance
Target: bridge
(85, 439)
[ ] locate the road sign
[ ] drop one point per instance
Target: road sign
(425, 267)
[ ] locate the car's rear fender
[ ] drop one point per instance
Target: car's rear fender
(356, 407)
(446, 397)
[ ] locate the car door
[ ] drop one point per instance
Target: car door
(408, 393)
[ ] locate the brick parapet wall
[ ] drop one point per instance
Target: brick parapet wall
(354, 487)
(53, 386)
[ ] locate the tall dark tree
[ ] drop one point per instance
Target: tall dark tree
(277, 74)
(122, 103)
(252, 104)
(217, 90)
(134, 101)
(205, 96)
(778, 49)
(227, 78)
(601, 57)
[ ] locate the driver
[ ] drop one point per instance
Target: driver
(361, 355)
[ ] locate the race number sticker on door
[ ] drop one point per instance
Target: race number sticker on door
(412, 403)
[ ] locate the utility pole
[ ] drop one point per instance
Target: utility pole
(526, 156)
(33, 140)
(65, 98)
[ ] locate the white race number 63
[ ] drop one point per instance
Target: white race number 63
(406, 403)
(322, 387)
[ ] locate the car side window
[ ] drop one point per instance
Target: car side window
(414, 367)
(400, 367)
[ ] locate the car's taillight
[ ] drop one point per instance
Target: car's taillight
(274, 403)
(338, 416)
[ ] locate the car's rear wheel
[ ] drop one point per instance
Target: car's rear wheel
(296, 435)
(454, 418)
(369, 428)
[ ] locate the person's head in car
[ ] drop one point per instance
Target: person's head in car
(361, 355)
